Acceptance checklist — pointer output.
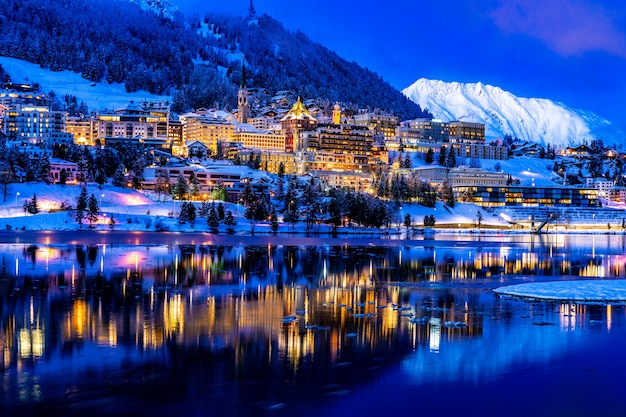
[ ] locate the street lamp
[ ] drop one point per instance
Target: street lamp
(16, 196)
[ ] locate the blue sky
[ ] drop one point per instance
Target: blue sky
(572, 51)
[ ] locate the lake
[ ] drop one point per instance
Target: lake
(200, 325)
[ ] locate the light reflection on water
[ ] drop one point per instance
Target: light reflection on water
(286, 329)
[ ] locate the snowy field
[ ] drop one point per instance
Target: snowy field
(578, 290)
(97, 96)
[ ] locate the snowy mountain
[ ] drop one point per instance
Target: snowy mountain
(539, 120)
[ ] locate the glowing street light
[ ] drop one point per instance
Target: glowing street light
(16, 196)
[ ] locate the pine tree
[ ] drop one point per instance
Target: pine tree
(81, 207)
(442, 156)
(230, 221)
(220, 211)
(212, 219)
(180, 188)
(273, 221)
(63, 176)
(31, 206)
(92, 210)
(430, 156)
(194, 185)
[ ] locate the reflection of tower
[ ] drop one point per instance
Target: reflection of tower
(435, 334)
(242, 97)
(336, 114)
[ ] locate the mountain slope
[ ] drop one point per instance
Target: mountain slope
(503, 113)
(117, 41)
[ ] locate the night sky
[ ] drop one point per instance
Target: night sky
(571, 51)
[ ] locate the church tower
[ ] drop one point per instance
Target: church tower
(336, 114)
(242, 97)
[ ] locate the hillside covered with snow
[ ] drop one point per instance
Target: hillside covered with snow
(539, 120)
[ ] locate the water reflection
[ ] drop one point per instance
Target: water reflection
(277, 328)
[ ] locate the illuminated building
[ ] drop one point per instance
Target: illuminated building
(57, 165)
(466, 132)
(419, 131)
(296, 121)
(81, 128)
(251, 138)
(271, 160)
(130, 123)
(499, 196)
(33, 121)
(475, 176)
(208, 127)
(378, 124)
(339, 139)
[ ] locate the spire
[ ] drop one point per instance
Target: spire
(251, 11)
(243, 73)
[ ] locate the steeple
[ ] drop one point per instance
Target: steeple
(251, 11)
(243, 74)
(242, 97)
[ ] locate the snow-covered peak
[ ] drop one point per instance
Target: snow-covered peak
(539, 120)
(158, 6)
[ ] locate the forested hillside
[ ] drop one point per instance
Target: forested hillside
(117, 41)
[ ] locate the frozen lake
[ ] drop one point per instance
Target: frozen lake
(160, 324)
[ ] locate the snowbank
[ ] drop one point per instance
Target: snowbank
(577, 290)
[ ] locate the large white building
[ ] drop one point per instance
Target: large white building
(33, 122)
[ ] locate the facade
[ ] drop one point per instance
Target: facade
(486, 196)
(160, 110)
(130, 123)
(297, 120)
(330, 161)
(71, 170)
(252, 138)
(419, 131)
(208, 128)
(475, 176)
(350, 139)
(378, 123)
(467, 132)
(356, 181)
(33, 122)
(81, 128)
(480, 151)
(604, 186)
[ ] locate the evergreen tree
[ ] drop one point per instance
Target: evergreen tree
(220, 211)
(407, 163)
(204, 209)
(273, 221)
(451, 159)
(430, 156)
(92, 210)
(180, 188)
(119, 178)
(81, 207)
(31, 206)
(212, 219)
(407, 221)
(442, 156)
(63, 176)
(194, 185)
(447, 195)
(230, 221)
